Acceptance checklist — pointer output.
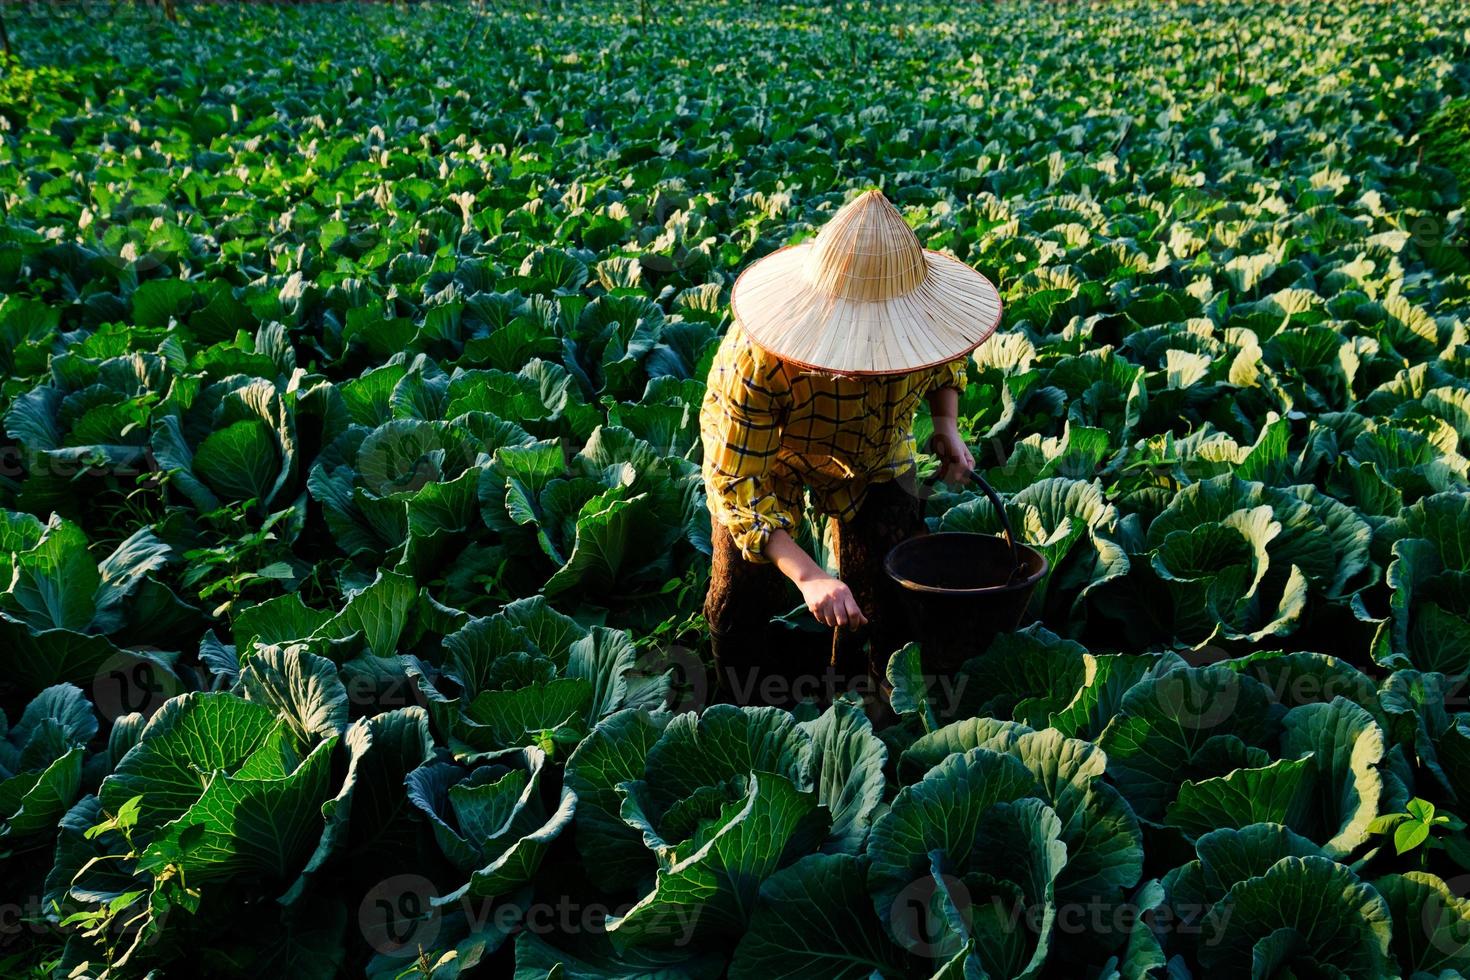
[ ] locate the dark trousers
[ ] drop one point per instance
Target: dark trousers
(745, 595)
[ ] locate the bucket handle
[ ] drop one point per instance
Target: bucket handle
(1000, 509)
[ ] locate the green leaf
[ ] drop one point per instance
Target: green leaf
(607, 659)
(490, 820)
(278, 620)
(1105, 680)
(910, 686)
(615, 752)
(614, 537)
(945, 812)
(1032, 668)
(140, 554)
(814, 919)
(190, 735)
(371, 813)
(1021, 859)
(381, 612)
(710, 884)
(302, 689)
(1431, 924)
(31, 803)
(591, 956)
(55, 583)
(848, 761)
(39, 659)
(158, 299)
(240, 461)
(1420, 810)
(1409, 835)
(1281, 793)
(515, 717)
(957, 737)
(1349, 749)
(223, 791)
(1308, 910)
(552, 632)
(1169, 727)
(264, 821)
(1102, 837)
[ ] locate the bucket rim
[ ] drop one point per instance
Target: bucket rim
(1028, 582)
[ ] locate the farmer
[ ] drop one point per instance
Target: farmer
(833, 344)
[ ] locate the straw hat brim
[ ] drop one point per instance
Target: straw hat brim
(953, 310)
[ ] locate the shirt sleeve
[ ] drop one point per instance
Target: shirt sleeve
(740, 427)
(948, 375)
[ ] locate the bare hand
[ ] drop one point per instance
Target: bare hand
(955, 459)
(831, 602)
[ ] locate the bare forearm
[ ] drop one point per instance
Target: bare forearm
(788, 556)
(828, 598)
(956, 460)
(944, 408)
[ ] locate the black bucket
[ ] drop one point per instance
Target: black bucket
(960, 589)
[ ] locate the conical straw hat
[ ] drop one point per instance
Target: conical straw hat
(865, 298)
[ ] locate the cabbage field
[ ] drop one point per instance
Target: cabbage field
(354, 539)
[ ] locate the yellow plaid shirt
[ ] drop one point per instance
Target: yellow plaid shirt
(770, 428)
